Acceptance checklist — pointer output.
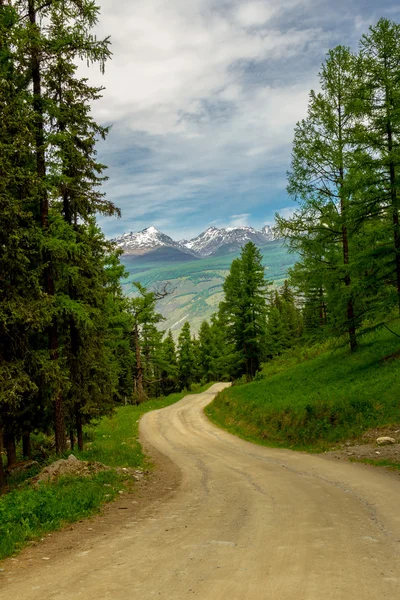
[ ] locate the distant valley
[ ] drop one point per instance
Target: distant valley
(195, 269)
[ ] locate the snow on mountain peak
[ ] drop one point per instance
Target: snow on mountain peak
(209, 242)
(230, 238)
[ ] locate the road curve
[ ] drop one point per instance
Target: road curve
(247, 523)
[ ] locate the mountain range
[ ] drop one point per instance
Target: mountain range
(194, 270)
(212, 242)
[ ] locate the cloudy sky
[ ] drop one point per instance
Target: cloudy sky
(203, 97)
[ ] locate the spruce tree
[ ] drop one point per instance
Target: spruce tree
(243, 310)
(169, 366)
(145, 338)
(70, 355)
(24, 309)
(285, 323)
(186, 358)
(206, 351)
(66, 166)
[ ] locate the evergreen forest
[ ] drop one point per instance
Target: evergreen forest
(73, 347)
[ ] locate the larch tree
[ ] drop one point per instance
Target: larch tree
(378, 102)
(321, 181)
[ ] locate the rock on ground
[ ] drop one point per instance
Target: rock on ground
(385, 440)
(370, 447)
(71, 466)
(79, 468)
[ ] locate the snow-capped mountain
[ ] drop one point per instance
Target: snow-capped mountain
(269, 232)
(215, 240)
(210, 242)
(145, 241)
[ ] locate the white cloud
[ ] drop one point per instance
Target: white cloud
(232, 221)
(250, 14)
(204, 96)
(287, 212)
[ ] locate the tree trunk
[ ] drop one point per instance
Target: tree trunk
(2, 474)
(26, 445)
(395, 208)
(59, 424)
(11, 449)
(139, 368)
(322, 308)
(72, 437)
(397, 247)
(351, 329)
(79, 429)
(351, 324)
(58, 404)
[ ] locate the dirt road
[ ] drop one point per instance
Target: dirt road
(246, 523)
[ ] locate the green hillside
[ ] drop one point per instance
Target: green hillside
(197, 284)
(311, 399)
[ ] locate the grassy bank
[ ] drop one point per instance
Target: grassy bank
(27, 513)
(115, 441)
(311, 400)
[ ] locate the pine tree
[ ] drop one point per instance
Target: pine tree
(169, 366)
(24, 310)
(285, 324)
(206, 351)
(145, 337)
(243, 310)
(186, 358)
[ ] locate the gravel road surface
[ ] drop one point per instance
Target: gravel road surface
(241, 522)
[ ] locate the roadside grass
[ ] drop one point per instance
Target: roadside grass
(313, 399)
(115, 440)
(27, 513)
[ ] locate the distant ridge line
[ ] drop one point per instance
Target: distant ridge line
(212, 241)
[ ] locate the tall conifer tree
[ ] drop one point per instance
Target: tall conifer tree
(320, 180)
(243, 310)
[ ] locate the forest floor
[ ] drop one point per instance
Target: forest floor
(222, 518)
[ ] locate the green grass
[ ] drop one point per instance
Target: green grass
(27, 513)
(115, 440)
(313, 401)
